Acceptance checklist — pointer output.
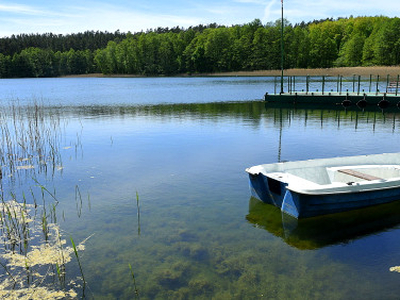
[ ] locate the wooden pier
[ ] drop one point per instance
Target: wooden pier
(347, 92)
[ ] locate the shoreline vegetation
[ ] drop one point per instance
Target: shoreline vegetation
(382, 71)
(212, 50)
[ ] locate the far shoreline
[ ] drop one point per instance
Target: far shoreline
(382, 71)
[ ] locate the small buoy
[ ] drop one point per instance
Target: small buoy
(346, 103)
(383, 104)
(362, 103)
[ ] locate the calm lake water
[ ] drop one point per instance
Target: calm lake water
(152, 171)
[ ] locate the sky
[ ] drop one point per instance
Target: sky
(73, 16)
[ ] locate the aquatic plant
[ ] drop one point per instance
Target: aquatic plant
(134, 282)
(138, 211)
(30, 140)
(395, 269)
(34, 258)
(79, 261)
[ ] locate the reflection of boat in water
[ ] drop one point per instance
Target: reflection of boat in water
(324, 186)
(321, 231)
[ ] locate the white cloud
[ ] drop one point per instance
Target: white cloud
(19, 9)
(268, 13)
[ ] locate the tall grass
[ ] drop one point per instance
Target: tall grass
(79, 263)
(33, 253)
(31, 138)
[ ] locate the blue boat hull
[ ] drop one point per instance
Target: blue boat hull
(301, 205)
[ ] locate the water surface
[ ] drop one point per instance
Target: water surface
(182, 145)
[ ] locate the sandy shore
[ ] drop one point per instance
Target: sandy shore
(350, 71)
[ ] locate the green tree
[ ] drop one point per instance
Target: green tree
(323, 47)
(5, 66)
(101, 61)
(218, 49)
(39, 62)
(387, 50)
(168, 57)
(21, 66)
(300, 48)
(196, 60)
(148, 45)
(77, 61)
(351, 55)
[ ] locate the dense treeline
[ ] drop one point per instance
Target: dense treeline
(88, 40)
(47, 55)
(361, 41)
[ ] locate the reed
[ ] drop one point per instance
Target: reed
(32, 253)
(9, 273)
(45, 190)
(134, 282)
(45, 226)
(30, 140)
(79, 262)
(14, 225)
(138, 211)
(78, 201)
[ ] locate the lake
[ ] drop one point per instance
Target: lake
(145, 176)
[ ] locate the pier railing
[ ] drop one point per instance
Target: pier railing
(356, 85)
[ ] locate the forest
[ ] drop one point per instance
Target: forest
(344, 42)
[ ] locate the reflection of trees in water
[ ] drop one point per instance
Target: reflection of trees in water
(250, 112)
(31, 136)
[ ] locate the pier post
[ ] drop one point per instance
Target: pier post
(377, 84)
(359, 83)
(370, 83)
(323, 84)
(307, 83)
(337, 83)
(397, 84)
(387, 81)
(294, 83)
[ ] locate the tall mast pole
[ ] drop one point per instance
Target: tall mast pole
(282, 49)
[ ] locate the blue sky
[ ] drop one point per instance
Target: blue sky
(60, 16)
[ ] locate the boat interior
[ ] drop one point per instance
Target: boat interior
(329, 177)
(345, 174)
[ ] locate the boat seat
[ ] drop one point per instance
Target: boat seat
(358, 174)
(318, 175)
